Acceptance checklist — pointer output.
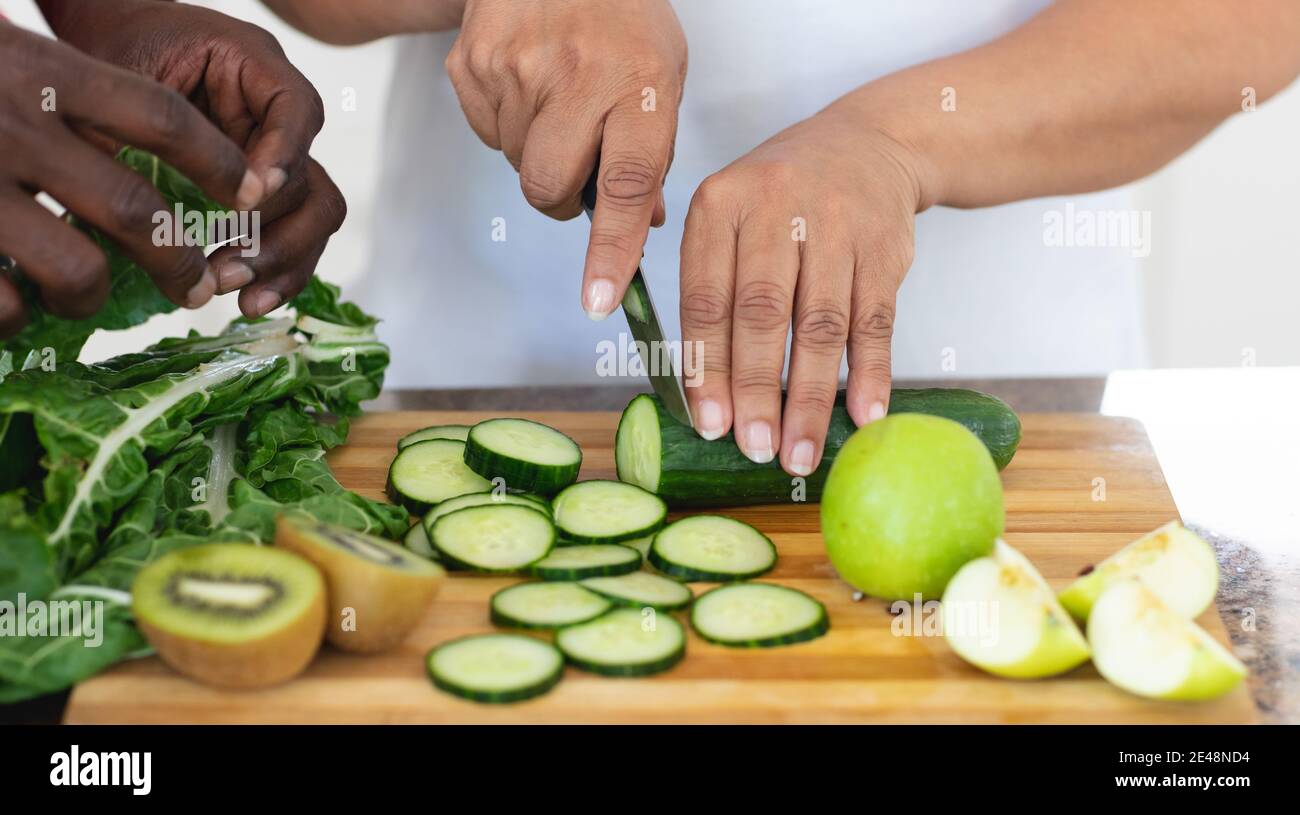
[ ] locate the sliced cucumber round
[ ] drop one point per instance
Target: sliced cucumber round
(607, 512)
(493, 537)
(641, 589)
(546, 605)
(586, 560)
(478, 499)
(429, 472)
(495, 668)
(438, 431)
(758, 615)
(526, 455)
(417, 540)
(712, 547)
(624, 642)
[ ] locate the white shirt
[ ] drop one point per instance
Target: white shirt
(989, 293)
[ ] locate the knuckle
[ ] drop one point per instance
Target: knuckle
(775, 175)
(315, 109)
(78, 285)
(169, 116)
(133, 205)
(630, 180)
(714, 192)
(705, 305)
(542, 188)
(874, 322)
(613, 245)
(184, 270)
(762, 306)
(812, 398)
(821, 327)
(754, 379)
(335, 208)
(888, 248)
(875, 367)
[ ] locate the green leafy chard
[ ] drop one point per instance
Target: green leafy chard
(106, 466)
(133, 298)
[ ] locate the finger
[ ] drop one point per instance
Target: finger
(289, 113)
(128, 208)
(290, 247)
(479, 109)
(633, 157)
(661, 211)
(767, 265)
(559, 155)
(820, 329)
(12, 314)
(514, 118)
(226, 260)
(68, 268)
(708, 275)
(871, 333)
(148, 115)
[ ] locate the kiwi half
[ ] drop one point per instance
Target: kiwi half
(232, 614)
(378, 590)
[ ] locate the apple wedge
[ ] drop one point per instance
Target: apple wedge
(1173, 562)
(1000, 615)
(1143, 646)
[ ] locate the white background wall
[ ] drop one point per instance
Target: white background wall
(1222, 279)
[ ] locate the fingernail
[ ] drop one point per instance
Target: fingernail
(600, 299)
(709, 420)
(265, 302)
(250, 191)
(275, 178)
(758, 443)
(201, 292)
(876, 411)
(234, 275)
(801, 458)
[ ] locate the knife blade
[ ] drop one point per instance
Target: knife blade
(643, 323)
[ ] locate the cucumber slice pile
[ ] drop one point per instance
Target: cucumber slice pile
(429, 472)
(588, 545)
(493, 537)
(713, 548)
(758, 615)
(624, 642)
(607, 512)
(525, 455)
(546, 605)
(438, 431)
(586, 560)
(495, 668)
(641, 589)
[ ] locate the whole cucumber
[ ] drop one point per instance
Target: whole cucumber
(655, 451)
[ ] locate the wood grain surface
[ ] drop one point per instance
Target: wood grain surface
(862, 671)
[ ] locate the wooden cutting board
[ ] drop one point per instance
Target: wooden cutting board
(862, 671)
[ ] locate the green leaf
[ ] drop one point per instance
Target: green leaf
(133, 298)
(26, 562)
(321, 300)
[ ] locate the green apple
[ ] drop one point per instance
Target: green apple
(1174, 563)
(1000, 615)
(909, 499)
(1145, 647)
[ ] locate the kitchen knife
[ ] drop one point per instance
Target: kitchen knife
(643, 322)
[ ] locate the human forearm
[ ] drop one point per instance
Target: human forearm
(1088, 95)
(347, 22)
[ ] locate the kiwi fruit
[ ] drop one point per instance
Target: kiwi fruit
(378, 590)
(232, 614)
